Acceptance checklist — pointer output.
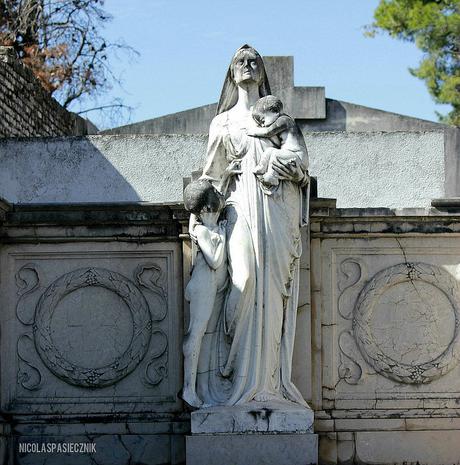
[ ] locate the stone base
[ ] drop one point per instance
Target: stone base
(400, 447)
(254, 417)
(256, 433)
(252, 449)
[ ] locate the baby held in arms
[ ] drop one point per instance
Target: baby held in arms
(269, 116)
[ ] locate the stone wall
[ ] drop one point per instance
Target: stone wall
(396, 170)
(377, 341)
(385, 335)
(27, 109)
(91, 333)
(376, 349)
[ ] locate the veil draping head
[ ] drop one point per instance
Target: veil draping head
(229, 94)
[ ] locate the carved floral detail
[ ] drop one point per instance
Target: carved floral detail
(122, 365)
(413, 276)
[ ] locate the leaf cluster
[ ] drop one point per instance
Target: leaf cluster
(434, 26)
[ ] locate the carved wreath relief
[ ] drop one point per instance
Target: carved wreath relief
(121, 365)
(92, 327)
(406, 322)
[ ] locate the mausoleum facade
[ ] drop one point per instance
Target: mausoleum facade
(95, 256)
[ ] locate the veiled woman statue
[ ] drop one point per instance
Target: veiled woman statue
(246, 351)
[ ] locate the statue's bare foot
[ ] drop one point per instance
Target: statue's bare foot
(265, 396)
(191, 398)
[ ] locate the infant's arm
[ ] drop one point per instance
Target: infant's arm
(212, 245)
(283, 123)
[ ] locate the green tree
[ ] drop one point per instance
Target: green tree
(434, 26)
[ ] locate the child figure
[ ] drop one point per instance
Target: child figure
(268, 114)
(209, 274)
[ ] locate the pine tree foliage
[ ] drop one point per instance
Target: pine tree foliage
(434, 26)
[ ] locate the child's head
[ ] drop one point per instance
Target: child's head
(267, 110)
(202, 196)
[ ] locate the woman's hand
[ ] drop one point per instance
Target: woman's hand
(234, 167)
(290, 171)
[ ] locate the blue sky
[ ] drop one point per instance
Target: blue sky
(185, 47)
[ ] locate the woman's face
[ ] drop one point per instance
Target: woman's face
(246, 68)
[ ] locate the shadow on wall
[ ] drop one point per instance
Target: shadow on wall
(393, 170)
(59, 170)
(98, 168)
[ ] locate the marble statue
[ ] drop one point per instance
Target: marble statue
(244, 286)
(209, 274)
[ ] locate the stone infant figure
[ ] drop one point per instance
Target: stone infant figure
(268, 114)
(209, 274)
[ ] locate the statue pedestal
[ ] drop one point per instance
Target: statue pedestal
(266, 433)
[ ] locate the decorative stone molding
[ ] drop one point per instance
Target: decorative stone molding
(349, 369)
(27, 283)
(352, 274)
(29, 375)
(152, 279)
(121, 365)
(156, 369)
(406, 322)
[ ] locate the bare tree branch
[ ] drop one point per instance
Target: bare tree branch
(61, 42)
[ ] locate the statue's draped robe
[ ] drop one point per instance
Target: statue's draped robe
(247, 349)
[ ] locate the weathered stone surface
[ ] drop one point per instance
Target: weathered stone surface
(105, 449)
(81, 347)
(345, 448)
(91, 328)
(3, 449)
(403, 447)
(387, 307)
(423, 300)
(238, 449)
(323, 425)
(392, 169)
(423, 424)
(266, 417)
(407, 168)
(280, 72)
(327, 449)
(380, 288)
(304, 102)
(98, 168)
(374, 424)
(27, 109)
